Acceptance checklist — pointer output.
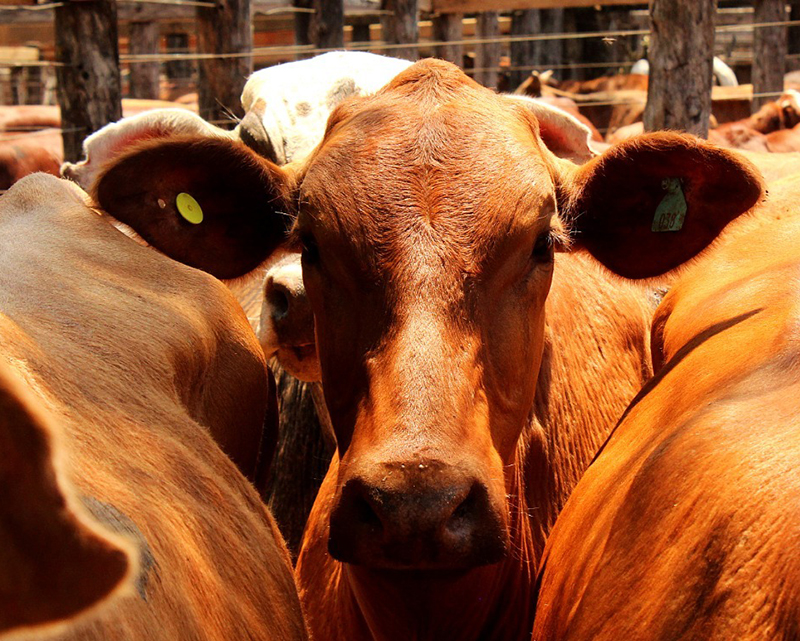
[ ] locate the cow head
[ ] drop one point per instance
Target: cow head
(428, 218)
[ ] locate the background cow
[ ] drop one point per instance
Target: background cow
(143, 364)
(686, 524)
(30, 136)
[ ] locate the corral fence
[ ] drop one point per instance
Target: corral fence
(86, 54)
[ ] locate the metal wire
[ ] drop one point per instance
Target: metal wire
(43, 132)
(286, 50)
(176, 3)
(31, 7)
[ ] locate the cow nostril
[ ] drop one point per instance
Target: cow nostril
(366, 514)
(467, 507)
(279, 303)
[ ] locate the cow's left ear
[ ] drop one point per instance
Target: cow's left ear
(208, 203)
(655, 201)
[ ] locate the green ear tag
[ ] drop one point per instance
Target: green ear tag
(189, 208)
(671, 211)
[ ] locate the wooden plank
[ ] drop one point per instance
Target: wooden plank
(487, 55)
(474, 6)
(144, 76)
(19, 54)
(143, 12)
(327, 24)
(526, 22)
(449, 27)
(400, 26)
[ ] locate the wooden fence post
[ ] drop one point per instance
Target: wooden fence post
(223, 29)
(551, 52)
(400, 27)
(89, 87)
(302, 25)
(487, 56)
(449, 27)
(361, 28)
(523, 54)
(681, 53)
(327, 24)
(769, 50)
(143, 38)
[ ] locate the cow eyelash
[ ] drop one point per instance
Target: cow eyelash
(310, 250)
(543, 248)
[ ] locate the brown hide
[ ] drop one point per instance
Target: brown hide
(784, 141)
(465, 402)
(143, 363)
(25, 153)
(55, 561)
(685, 526)
(774, 167)
(617, 82)
(601, 326)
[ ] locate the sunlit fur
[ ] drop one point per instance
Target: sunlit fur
(427, 216)
(686, 525)
(143, 364)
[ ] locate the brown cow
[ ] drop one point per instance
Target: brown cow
(685, 527)
(464, 414)
(43, 526)
(26, 153)
(143, 364)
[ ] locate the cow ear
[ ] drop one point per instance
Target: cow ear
(562, 133)
(56, 561)
(211, 204)
(655, 201)
(114, 139)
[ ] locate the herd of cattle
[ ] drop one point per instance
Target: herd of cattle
(562, 384)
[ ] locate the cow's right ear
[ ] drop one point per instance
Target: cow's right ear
(208, 203)
(55, 560)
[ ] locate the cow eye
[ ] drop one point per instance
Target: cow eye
(543, 248)
(310, 253)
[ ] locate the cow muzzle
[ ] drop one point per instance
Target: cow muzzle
(420, 516)
(286, 327)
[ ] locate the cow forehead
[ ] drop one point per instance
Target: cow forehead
(434, 164)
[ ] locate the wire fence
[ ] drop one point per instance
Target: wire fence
(293, 50)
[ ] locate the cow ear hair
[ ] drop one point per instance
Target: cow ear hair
(114, 139)
(208, 203)
(655, 201)
(562, 133)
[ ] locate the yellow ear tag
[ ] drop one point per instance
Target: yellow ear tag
(189, 208)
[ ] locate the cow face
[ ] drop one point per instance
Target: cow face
(429, 294)
(428, 218)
